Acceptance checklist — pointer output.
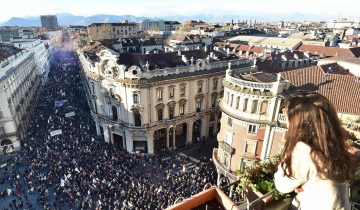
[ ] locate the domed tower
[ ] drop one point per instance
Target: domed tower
(249, 123)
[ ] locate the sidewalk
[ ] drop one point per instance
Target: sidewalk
(200, 150)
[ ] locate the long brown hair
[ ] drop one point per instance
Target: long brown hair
(313, 120)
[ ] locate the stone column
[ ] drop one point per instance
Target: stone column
(150, 142)
(129, 141)
(189, 134)
(97, 128)
(215, 124)
(218, 178)
(204, 127)
(107, 134)
(111, 135)
(174, 136)
(167, 137)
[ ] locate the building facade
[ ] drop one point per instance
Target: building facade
(104, 31)
(188, 42)
(19, 85)
(252, 126)
(152, 25)
(49, 21)
(41, 52)
(153, 102)
(9, 33)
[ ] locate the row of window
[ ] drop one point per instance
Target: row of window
(252, 129)
(254, 104)
(182, 90)
(171, 112)
(250, 148)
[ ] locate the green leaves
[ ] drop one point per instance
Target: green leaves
(260, 176)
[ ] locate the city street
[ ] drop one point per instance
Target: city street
(64, 165)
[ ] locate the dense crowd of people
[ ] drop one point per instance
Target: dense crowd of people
(63, 164)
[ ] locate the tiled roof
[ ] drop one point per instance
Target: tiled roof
(7, 51)
(165, 60)
(330, 51)
(243, 47)
(91, 50)
(342, 90)
(262, 40)
(257, 77)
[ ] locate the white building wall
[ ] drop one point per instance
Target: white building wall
(18, 84)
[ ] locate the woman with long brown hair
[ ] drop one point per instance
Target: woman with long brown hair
(315, 162)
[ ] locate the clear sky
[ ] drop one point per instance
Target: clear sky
(310, 9)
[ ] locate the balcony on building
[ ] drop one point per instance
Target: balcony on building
(221, 167)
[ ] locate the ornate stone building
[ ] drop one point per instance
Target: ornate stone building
(19, 84)
(104, 31)
(252, 126)
(148, 102)
(252, 123)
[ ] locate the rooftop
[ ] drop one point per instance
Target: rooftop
(330, 51)
(341, 89)
(351, 60)
(167, 60)
(262, 40)
(91, 50)
(112, 24)
(256, 77)
(7, 51)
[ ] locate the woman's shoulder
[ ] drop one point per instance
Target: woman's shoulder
(302, 148)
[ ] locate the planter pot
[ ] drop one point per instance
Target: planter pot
(259, 201)
(256, 199)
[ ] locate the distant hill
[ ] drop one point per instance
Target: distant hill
(25, 21)
(69, 19)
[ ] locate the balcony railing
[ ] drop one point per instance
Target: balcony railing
(221, 167)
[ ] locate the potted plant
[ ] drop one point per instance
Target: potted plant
(257, 181)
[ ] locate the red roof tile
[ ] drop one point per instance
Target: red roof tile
(342, 90)
(243, 47)
(330, 51)
(257, 49)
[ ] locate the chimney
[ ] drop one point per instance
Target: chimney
(247, 54)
